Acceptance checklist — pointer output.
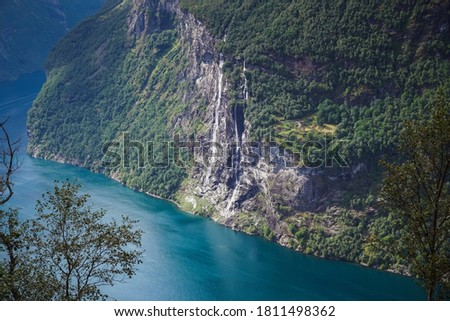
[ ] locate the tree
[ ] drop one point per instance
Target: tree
(16, 275)
(68, 251)
(9, 232)
(11, 239)
(417, 192)
(8, 163)
(75, 249)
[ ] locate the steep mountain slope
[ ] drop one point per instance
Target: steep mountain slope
(30, 28)
(277, 111)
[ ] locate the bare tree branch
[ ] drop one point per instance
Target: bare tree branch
(8, 160)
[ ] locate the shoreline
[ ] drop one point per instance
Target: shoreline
(62, 160)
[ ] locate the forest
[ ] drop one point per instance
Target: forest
(356, 71)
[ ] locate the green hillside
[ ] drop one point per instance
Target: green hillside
(106, 84)
(364, 66)
(349, 69)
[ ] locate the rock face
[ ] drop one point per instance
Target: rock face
(248, 186)
(203, 84)
(149, 16)
(235, 182)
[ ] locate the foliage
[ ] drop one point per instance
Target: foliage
(68, 251)
(362, 66)
(353, 69)
(78, 251)
(9, 224)
(346, 235)
(109, 84)
(10, 239)
(417, 191)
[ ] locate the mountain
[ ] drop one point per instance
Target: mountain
(266, 116)
(30, 28)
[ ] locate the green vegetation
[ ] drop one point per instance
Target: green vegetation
(30, 28)
(67, 252)
(349, 69)
(110, 84)
(417, 192)
(366, 67)
(344, 68)
(342, 234)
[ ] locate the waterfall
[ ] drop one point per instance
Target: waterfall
(218, 98)
(218, 103)
(245, 83)
(238, 141)
(236, 167)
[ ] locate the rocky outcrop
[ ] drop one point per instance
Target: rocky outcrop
(150, 16)
(248, 186)
(153, 72)
(227, 183)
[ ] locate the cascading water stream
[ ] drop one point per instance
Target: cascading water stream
(236, 163)
(214, 140)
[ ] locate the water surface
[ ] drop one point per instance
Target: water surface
(188, 257)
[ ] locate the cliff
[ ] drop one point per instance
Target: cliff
(204, 105)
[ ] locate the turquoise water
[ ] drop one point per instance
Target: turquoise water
(188, 257)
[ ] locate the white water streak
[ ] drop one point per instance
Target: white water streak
(236, 162)
(214, 141)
